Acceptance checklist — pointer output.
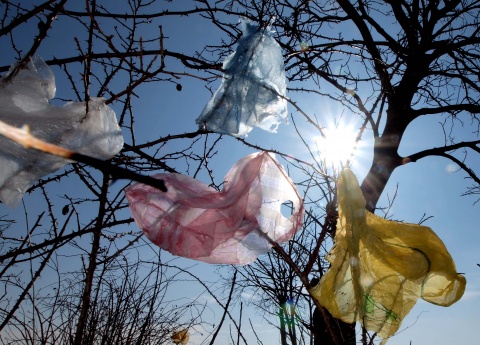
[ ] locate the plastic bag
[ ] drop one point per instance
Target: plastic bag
(180, 337)
(195, 221)
(24, 101)
(379, 268)
(252, 86)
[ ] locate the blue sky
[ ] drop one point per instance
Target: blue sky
(430, 186)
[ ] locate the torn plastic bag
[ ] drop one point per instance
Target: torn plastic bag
(230, 226)
(379, 268)
(252, 86)
(25, 101)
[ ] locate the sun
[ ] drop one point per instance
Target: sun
(337, 146)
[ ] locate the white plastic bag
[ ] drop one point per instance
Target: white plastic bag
(252, 87)
(25, 101)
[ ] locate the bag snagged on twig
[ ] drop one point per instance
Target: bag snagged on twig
(25, 101)
(196, 221)
(379, 268)
(253, 86)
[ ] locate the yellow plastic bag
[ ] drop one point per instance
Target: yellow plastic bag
(379, 268)
(180, 337)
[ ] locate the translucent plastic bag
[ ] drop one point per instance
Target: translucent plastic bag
(195, 221)
(252, 86)
(25, 101)
(379, 268)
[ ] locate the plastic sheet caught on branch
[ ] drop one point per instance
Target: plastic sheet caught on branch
(24, 100)
(230, 226)
(252, 86)
(180, 337)
(379, 268)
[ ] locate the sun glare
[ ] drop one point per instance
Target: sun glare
(336, 148)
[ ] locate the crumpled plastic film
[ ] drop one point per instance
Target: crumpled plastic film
(196, 221)
(252, 86)
(379, 268)
(180, 337)
(25, 101)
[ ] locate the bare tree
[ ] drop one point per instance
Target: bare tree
(397, 61)
(390, 63)
(73, 269)
(386, 63)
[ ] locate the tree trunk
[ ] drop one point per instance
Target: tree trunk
(345, 332)
(385, 150)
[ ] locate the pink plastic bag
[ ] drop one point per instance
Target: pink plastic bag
(195, 221)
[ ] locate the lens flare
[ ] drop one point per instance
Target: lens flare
(337, 146)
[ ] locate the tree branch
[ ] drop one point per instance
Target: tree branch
(23, 137)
